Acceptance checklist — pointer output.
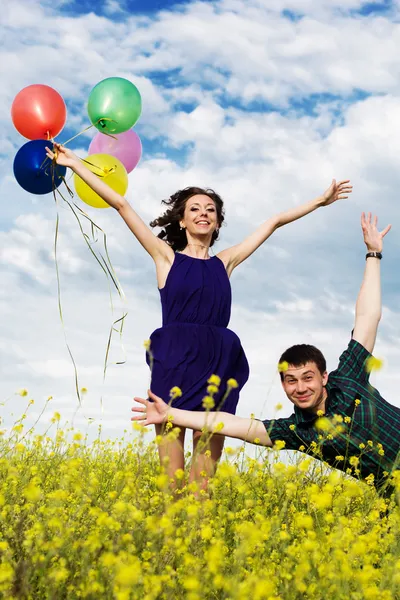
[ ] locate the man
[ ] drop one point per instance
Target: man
(359, 431)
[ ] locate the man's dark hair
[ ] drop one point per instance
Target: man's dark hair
(300, 354)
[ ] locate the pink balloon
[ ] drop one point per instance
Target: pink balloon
(127, 147)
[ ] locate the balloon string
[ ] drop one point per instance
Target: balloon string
(89, 127)
(51, 139)
(105, 171)
(59, 286)
(106, 266)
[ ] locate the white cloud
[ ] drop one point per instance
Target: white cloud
(302, 285)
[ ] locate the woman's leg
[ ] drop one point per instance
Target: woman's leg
(171, 453)
(205, 457)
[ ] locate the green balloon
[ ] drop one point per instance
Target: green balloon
(114, 105)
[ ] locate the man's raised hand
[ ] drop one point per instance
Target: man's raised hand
(151, 413)
(372, 237)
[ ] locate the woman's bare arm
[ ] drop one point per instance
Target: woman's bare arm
(156, 247)
(232, 257)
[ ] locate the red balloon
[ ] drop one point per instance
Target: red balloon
(38, 112)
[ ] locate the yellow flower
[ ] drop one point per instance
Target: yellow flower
(208, 402)
(323, 424)
(56, 417)
(162, 481)
(232, 383)
(32, 493)
(373, 364)
(304, 521)
(175, 392)
(23, 392)
(283, 366)
(357, 401)
(320, 413)
(214, 379)
(292, 427)
(206, 532)
(59, 574)
(370, 479)
(128, 575)
(279, 445)
(179, 474)
(212, 389)
(191, 584)
(278, 406)
(83, 390)
(339, 458)
(347, 419)
(147, 344)
(322, 500)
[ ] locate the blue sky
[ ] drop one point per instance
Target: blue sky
(246, 98)
(133, 7)
(148, 7)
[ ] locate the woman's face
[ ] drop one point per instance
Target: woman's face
(200, 216)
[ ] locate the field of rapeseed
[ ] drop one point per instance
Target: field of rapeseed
(99, 520)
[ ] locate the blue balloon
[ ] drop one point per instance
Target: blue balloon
(31, 170)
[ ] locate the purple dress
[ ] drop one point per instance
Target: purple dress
(194, 342)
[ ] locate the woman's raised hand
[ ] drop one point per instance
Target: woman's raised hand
(63, 156)
(336, 191)
(151, 413)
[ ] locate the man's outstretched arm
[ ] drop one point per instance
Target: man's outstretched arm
(158, 412)
(369, 302)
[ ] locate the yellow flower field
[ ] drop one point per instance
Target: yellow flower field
(99, 521)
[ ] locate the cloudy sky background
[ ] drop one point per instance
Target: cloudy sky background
(263, 100)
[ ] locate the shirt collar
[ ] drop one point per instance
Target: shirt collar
(305, 416)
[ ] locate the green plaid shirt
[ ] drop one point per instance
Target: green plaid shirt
(372, 422)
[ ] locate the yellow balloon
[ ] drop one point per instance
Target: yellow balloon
(110, 170)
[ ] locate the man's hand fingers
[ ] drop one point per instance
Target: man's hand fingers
(386, 230)
(153, 396)
(140, 400)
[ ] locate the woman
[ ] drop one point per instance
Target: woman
(194, 343)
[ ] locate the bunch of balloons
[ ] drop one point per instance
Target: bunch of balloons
(39, 114)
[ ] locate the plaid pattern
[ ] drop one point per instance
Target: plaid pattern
(374, 422)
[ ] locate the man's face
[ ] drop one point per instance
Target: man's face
(305, 386)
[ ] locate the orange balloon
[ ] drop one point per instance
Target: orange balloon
(38, 112)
